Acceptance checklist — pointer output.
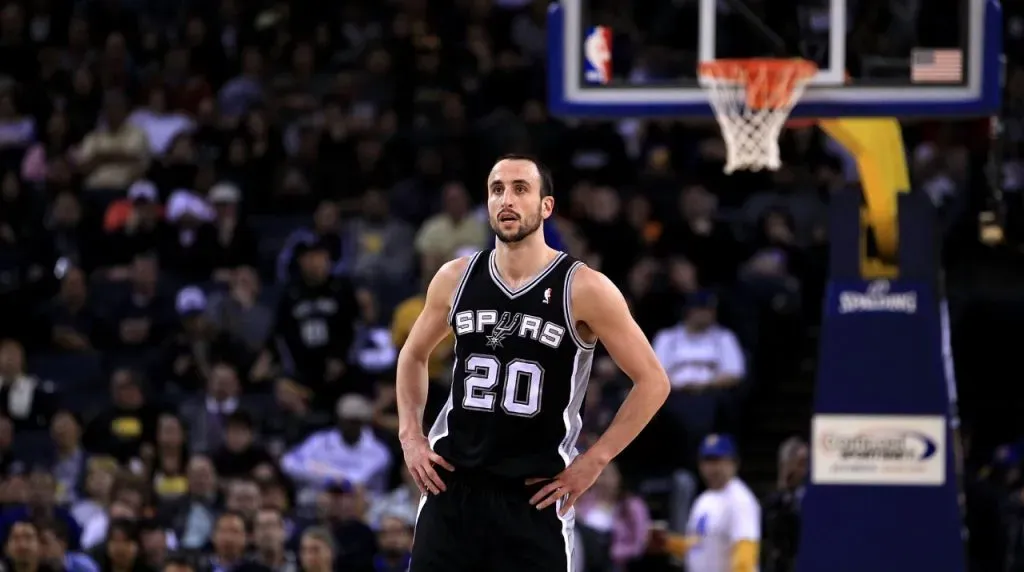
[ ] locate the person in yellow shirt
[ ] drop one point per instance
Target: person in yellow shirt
(440, 362)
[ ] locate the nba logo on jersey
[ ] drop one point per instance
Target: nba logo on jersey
(597, 55)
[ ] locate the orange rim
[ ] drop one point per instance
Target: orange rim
(769, 82)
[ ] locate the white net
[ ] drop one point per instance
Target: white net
(752, 100)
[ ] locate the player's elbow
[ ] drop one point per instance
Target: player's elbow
(411, 357)
(656, 383)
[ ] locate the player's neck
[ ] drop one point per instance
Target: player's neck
(523, 260)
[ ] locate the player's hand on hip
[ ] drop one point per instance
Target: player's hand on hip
(579, 476)
(421, 460)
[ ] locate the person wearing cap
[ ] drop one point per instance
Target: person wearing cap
(140, 208)
(236, 243)
(350, 452)
(724, 530)
(315, 326)
(702, 359)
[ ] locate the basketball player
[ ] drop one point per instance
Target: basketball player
(499, 471)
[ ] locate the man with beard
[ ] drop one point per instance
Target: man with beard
(316, 320)
(526, 319)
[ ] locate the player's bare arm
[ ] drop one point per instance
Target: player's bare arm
(602, 313)
(411, 377)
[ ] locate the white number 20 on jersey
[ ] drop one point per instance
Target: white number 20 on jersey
(485, 372)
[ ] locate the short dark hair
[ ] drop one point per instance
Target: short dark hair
(178, 561)
(547, 183)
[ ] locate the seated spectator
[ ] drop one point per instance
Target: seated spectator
(239, 311)
(130, 495)
(617, 521)
(315, 327)
(402, 500)
(190, 241)
(143, 316)
(54, 143)
(97, 490)
(384, 256)
(22, 549)
(155, 542)
(24, 399)
(168, 460)
(207, 414)
(394, 537)
(453, 229)
(69, 457)
(121, 551)
(327, 232)
(350, 452)
(53, 545)
(120, 430)
(317, 550)
(702, 359)
(269, 539)
(236, 244)
(73, 324)
(340, 510)
(17, 129)
(240, 455)
(160, 124)
(243, 497)
(41, 504)
(70, 236)
(133, 226)
(198, 345)
(230, 540)
(115, 154)
(192, 517)
(291, 418)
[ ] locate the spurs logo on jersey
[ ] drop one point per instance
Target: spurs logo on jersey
(518, 324)
(503, 329)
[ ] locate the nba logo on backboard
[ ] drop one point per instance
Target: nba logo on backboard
(597, 56)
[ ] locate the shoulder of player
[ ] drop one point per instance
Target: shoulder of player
(740, 492)
(447, 278)
(591, 288)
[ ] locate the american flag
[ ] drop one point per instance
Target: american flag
(937, 66)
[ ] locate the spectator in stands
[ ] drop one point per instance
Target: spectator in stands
(290, 417)
(453, 230)
(230, 539)
(192, 518)
(97, 490)
(22, 549)
(351, 452)
(316, 320)
(395, 540)
(72, 323)
(269, 539)
(207, 415)
(130, 496)
(121, 429)
(328, 234)
(121, 549)
(41, 505)
(155, 542)
(116, 153)
(160, 124)
(188, 248)
(615, 524)
(197, 345)
(239, 312)
(702, 359)
(24, 399)
(69, 457)
(782, 507)
(317, 550)
(240, 455)
(243, 497)
(53, 546)
(69, 237)
(134, 226)
(167, 460)
(142, 317)
(236, 244)
(384, 257)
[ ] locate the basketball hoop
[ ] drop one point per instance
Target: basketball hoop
(752, 99)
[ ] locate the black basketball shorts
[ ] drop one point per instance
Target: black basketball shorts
(484, 524)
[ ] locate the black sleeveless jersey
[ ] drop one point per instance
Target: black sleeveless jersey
(520, 373)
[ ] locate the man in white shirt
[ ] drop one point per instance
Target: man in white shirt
(724, 530)
(350, 453)
(702, 359)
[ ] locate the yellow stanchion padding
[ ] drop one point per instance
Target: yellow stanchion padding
(877, 146)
